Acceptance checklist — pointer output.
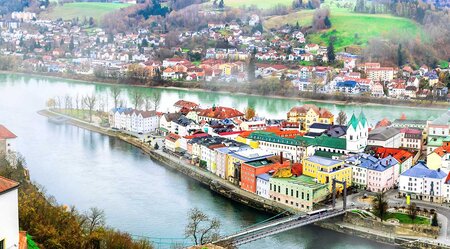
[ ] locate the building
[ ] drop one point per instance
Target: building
(380, 73)
(300, 192)
(357, 133)
(405, 158)
(134, 120)
(422, 183)
(236, 159)
(438, 131)
(9, 213)
(172, 142)
(218, 113)
(439, 158)
(388, 137)
(325, 170)
(6, 140)
(307, 115)
(249, 170)
(411, 138)
(183, 126)
(262, 185)
(373, 174)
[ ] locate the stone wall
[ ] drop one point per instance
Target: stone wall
(398, 229)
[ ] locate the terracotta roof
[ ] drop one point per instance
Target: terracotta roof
(172, 137)
(399, 154)
(5, 133)
(442, 150)
(7, 184)
(185, 104)
(322, 112)
(220, 113)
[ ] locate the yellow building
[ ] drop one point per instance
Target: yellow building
(308, 114)
(325, 169)
(439, 158)
(252, 143)
(226, 68)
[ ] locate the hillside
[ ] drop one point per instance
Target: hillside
(83, 9)
(350, 28)
(262, 4)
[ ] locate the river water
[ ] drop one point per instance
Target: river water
(139, 195)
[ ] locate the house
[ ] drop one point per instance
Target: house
(422, 183)
(380, 73)
(184, 105)
(439, 158)
(9, 214)
(165, 123)
(438, 131)
(172, 142)
(411, 138)
(373, 174)
(218, 113)
(183, 126)
(6, 140)
(324, 170)
(236, 159)
(134, 120)
(299, 192)
(311, 47)
(249, 170)
(348, 87)
(405, 158)
(262, 185)
(309, 114)
(388, 137)
(377, 90)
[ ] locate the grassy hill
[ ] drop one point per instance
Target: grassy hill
(83, 9)
(350, 28)
(263, 4)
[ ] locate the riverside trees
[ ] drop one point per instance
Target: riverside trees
(201, 228)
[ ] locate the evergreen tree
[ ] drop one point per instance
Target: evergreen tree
(400, 59)
(327, 22)
(330, 52)
(434, 221)
(251, 68)
(144, 43)
(297, 26)
(221, 4)
(71, 44)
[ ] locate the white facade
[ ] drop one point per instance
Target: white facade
(134, 120)
(357, 134)
(262, 187)
(359, 176)
(9, 219)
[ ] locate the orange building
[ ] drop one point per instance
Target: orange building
(249, 170)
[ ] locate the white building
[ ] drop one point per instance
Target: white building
(262, 185)
(357, 133)
(6, 140)
(387, 137)
(134, 120)
(9, 214)
(183, 126)
(422, 183)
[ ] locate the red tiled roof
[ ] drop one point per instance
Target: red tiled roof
(172, 137)
(220, 113)
(7, 184)
(5, 133)
(186, 104)
(442, 150)
(399, 154)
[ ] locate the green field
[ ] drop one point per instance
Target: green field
(262, 4)
(81, 10)
(348, 27)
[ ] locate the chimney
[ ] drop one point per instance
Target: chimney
(281, 157)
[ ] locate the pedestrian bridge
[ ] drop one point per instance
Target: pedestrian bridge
(277, 226)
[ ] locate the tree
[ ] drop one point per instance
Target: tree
(201, 228)
(327, 22)
(434, 220)
(249, 113)
(400, 59)
(342, 118)
(156, 100)
(144, 43)
(412, 211)
(156, 147)
(51, 103)
(115, 93)
(380, 205)
(90, 102)
(330, 52)
(221, 4)
(137, 98)
(93, 220)
(71, 44)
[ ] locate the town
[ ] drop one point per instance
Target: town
(283, 57)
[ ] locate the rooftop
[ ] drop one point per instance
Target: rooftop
(7, 185)
(323, 161)
(420, 170)
(302, 180)
(5, 133)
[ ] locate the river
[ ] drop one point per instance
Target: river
(139, 195)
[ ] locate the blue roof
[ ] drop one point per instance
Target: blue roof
(121, 109)
(264, 176)
(370, 162)
(420, 170)
(319, 126)
(323, 160)
(348, 83)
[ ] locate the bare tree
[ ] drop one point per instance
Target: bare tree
(342, 118)
(156, 100)
(201, 228)
(58, 102)
(137, 98)
(67, 102)
(147, 102)
(89, 102)
(93, 220)
(115, 93)
(77, 101)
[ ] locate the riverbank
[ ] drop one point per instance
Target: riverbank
(223, 187)
(201, 87)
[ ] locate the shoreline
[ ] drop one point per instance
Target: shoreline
(412, 105)
(225, 188)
